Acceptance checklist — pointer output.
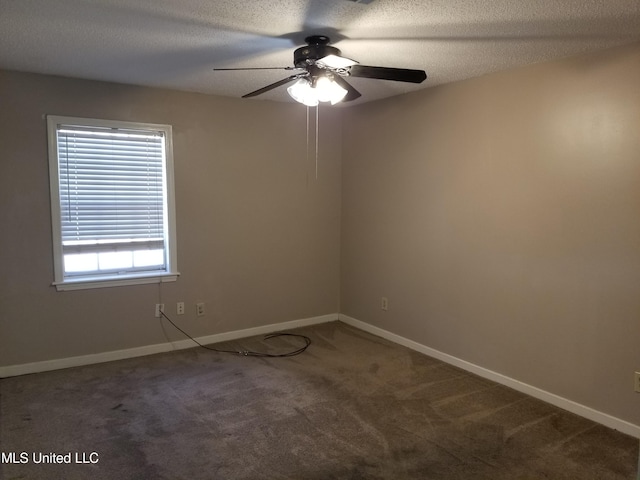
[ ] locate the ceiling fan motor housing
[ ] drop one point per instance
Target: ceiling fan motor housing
(316, 49)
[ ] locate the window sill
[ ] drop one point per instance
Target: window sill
(114, 281)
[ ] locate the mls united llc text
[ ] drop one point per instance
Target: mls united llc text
(51, 457)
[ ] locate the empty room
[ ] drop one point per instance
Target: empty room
(319, 239)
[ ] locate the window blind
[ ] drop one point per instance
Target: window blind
(111, 187)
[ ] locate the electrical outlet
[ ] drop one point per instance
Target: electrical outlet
(636, 382)
(159, 308)
(200, 309)
(180, 308)
(384, 303)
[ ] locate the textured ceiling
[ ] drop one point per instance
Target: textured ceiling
(176, 43)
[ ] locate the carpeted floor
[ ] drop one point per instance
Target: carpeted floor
(353, 406)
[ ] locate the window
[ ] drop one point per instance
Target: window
(112, 202)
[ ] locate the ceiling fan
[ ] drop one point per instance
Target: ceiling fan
(322, 73)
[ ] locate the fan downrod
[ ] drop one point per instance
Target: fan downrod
(317, 40)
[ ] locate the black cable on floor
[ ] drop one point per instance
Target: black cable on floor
(250, 353)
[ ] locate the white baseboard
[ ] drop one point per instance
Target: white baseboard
(569, 405)
(44, 366)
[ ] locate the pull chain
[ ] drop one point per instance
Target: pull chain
(317, 120)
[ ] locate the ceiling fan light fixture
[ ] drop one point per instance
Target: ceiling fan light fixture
(323, 89)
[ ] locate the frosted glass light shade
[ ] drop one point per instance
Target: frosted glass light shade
(302, 92)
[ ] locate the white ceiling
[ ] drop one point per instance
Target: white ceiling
(176, 43)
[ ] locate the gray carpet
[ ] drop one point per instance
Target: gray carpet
(353, 406)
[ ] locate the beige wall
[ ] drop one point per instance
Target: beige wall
(501, 217)
(256, 241)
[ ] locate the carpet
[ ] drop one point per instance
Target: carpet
(353, 406)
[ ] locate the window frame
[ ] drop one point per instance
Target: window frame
(75, 282)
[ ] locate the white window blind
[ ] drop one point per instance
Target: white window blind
(111, 185)
(112, 193)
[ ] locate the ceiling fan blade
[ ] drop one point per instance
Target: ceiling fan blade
(255, 68)
(385, 73)
(352, 93)
(277, 84)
